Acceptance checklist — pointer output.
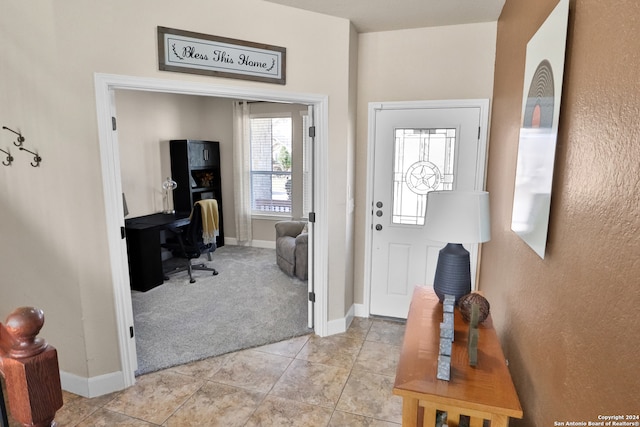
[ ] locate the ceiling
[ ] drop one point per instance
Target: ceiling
(385, 15)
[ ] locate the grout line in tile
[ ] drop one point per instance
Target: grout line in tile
(181, 405)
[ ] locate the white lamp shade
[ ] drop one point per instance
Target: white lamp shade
(458, 216)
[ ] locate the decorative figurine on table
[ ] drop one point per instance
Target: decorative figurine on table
(465, 302)
(474, 335)
(446, 338)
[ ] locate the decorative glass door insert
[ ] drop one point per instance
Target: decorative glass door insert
(424, 161)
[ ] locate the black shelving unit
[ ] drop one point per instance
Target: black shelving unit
(195, 167)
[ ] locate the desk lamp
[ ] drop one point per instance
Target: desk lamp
(456, 217)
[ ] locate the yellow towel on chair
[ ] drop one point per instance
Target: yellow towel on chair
(209, 209)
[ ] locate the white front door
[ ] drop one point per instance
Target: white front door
(416, 150)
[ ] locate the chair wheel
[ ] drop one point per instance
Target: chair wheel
(215, 273)
(192, 281)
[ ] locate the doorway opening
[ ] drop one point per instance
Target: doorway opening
(106, 85)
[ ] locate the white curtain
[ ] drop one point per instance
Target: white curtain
(242, 170)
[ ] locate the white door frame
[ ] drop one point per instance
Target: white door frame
(105, 84)
(483, 104)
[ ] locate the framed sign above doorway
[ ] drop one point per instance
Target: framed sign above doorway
(195, 53)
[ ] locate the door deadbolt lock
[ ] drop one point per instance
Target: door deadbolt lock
(378, 205)
(378, 227)
(379, 213)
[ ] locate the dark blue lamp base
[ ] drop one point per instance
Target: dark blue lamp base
(453, 273)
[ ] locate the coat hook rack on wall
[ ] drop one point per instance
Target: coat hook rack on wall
(36, 157)
(20, 137)
(9, 158)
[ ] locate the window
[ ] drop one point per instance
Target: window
(423, 161)
(271, 165)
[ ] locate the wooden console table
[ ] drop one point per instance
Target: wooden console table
(485, 392)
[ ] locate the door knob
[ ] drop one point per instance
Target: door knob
(378, 227)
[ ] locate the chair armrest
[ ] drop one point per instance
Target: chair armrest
(302, 239)
(171, 244)
(289, 228)
(175, 230)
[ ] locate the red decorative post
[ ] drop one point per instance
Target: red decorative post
(30, 368)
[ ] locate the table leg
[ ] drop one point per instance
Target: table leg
(453, 417)
(409, 412)
(476, 422)
(430, 414)
(498, 420)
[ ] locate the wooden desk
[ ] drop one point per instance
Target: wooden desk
(485, 392)
(143, 247)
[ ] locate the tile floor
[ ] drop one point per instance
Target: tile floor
(341, 380)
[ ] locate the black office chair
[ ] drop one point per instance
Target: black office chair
(189, 244)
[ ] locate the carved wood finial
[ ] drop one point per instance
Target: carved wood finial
(30, 368)
(23, 326)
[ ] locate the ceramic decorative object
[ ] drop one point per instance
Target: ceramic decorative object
(466, 301)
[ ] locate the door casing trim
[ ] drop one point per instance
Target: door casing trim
(105, 84)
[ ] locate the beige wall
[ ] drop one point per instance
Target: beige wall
(452, 62)
(569, 323)
(147, 121)
(351, 172)
(54, 252)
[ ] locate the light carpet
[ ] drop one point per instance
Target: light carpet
(250, 303)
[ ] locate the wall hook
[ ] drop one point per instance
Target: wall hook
(36, 157)
(20, 137)
(9, 158)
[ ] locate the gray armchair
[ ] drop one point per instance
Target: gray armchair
(292, 248)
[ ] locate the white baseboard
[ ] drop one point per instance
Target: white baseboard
(360, 310)
(341, 325)
(268, 244)
(94, 386)
(336, 326)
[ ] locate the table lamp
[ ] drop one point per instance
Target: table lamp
(456, 217)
